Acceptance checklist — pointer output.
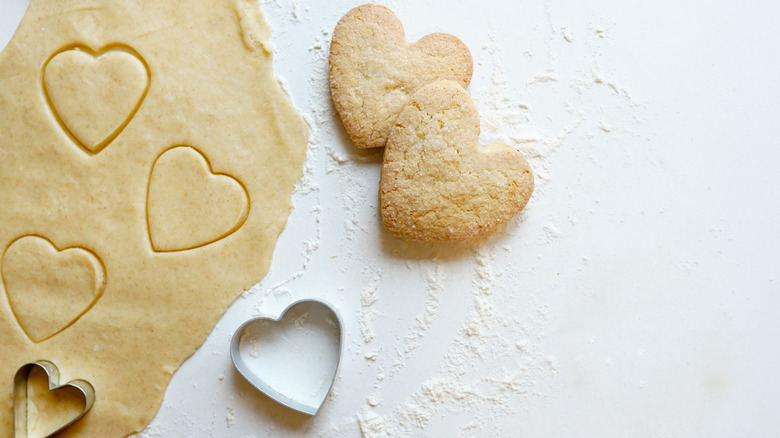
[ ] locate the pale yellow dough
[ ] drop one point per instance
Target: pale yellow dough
(125, 123)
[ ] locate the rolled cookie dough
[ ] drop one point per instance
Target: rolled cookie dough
(92, 94)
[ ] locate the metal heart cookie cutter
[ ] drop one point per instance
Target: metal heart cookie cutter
(53, 374)
(293, 358)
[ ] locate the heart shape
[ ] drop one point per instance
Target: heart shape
(190, 206)
(95, 94)
(50, 289)
(293, 358)
(437, 183)
(374, 71)
(62, 405)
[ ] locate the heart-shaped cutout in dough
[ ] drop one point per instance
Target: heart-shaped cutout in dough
(43, 407)
(294, 358)
(374, 71)
(50, 289)
(94, 95)
(437, 182)
(188, 205)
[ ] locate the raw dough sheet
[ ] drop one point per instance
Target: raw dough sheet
(147, 161)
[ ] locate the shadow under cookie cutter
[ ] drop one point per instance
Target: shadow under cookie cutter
(293, 401)
(53, 375)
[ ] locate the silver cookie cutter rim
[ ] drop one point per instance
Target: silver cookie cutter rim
(53, 374)
(258, 383)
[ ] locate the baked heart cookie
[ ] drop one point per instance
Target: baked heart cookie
(437, 182)
(374, 71)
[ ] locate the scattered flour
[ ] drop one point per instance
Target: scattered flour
(372, 425)
(461, 388)
(434, 281)
(374, 400)
(566, 33)
(230, 418)
(551, 231)
(505, 120)
(371, 356)
(367, 315)
(463, 391)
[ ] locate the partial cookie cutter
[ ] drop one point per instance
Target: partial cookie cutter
(53, 374)
(263, 386)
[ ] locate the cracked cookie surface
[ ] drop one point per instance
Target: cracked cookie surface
(374, 71)
(438, 183)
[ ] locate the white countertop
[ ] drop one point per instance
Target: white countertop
(636, 296)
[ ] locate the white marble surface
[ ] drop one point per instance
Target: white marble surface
(637, 296)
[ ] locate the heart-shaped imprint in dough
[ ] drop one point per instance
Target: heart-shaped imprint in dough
(94, 95)
(188, 205)
(374, 71)
(437, 182)
(50, 289)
